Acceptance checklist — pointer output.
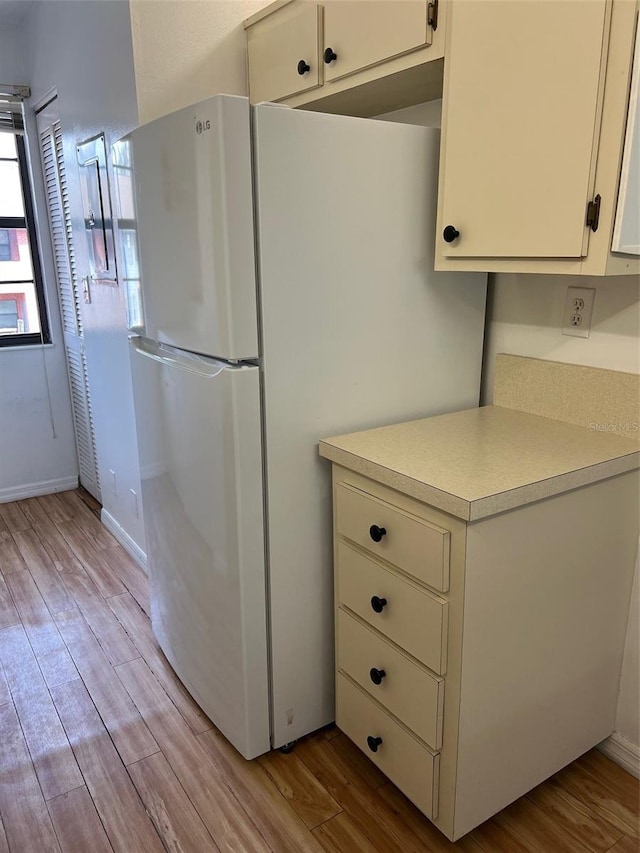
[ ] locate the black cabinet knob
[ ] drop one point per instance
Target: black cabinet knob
(376, 533)
(450, 234)
(303, 67)
(330, 55)
(378, 604)
(373, 743)
(376, 675)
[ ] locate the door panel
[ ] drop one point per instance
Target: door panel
(201, 467)
(277, 45)
(520, 129)
(365, 33)
(55, 180)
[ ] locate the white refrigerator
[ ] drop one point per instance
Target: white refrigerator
(286, 293)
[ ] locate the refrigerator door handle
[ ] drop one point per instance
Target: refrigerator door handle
(207, 368)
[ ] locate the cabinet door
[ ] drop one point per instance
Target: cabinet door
(277, 46)
(523, 93)
(365, 32)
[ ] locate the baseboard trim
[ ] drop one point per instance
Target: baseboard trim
(32, 490)
(621, 750)
(130, 545)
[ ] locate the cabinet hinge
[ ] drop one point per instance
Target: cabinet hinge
(432, 14)
(593, 213)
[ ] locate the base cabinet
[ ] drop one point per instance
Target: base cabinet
(469, 697)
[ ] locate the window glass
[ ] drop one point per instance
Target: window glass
(21, 293)
(11, 203)
(8, 146)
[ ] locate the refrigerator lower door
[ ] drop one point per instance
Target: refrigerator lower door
(198, 424)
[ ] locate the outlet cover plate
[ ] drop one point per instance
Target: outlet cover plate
(578, 310)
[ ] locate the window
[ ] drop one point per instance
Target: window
(23, 316)
(127, 232)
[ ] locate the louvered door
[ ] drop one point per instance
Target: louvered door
(53, 168)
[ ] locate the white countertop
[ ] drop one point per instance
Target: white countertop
(480, 462)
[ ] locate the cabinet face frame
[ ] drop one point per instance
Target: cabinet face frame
(455, 597)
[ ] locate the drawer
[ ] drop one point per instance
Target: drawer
(413, 695)
(408, 763)
(416, 620)
(417, 547)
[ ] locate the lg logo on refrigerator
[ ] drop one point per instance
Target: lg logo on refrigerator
(201, 126)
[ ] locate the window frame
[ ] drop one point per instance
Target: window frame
(28, 222)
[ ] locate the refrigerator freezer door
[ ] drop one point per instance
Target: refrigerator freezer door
(194, 221)
(198, 426)
(358, 331)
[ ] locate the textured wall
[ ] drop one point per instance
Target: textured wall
(187, 50)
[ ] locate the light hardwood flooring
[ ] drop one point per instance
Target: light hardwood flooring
(101, 749)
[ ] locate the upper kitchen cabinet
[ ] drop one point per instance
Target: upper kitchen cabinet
(369, 56)
(359, 34)
(284, 52)
(535, 104)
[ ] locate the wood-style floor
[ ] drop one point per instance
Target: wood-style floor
(101, 748)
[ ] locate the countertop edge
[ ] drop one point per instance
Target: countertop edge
(451, 504)
(485, 507)
(542, 489)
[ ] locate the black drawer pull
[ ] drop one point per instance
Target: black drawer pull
(378, 604)
(376, 533)
(373, 743)
(450, 234)
(303, 67)
(330, 55)
(376, 675)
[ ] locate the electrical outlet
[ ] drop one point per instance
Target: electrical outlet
(578, 310)
(114, 481)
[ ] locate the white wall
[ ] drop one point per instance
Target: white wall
(526, 314)
(187, 50)
(84, 50)
(38, 448)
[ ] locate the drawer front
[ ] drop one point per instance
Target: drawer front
(411, 693)
(417, 547)
(276, 45)
(413, 618)
(409, 764)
